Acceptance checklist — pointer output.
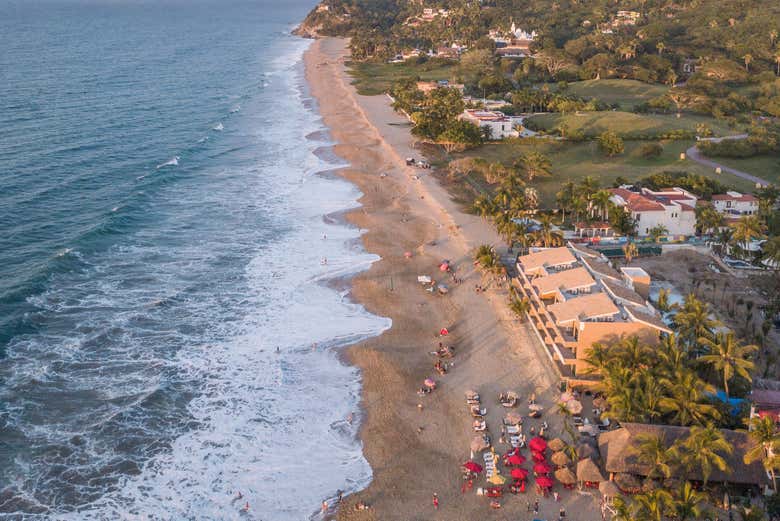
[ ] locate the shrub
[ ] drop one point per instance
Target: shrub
(651, 150)
(611, 144)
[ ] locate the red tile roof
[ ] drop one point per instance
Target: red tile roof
(636, 202)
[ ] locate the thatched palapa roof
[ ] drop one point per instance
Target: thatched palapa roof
(617, 450)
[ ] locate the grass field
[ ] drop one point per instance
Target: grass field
(371, 79)
(628, 124)
(766, 167)
(574, 161)
(626, 93)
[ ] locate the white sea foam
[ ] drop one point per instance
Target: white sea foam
(174, 161)
(219, 127)
(272, 425)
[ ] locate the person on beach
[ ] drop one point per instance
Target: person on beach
(246, 507)
(561, 513)
(239, 495)
(435, 501)
(324, 507)
(340, 495)
(536, 507)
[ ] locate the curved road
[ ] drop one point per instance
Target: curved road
(694, 154)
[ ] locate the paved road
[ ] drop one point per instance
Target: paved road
(694, 154)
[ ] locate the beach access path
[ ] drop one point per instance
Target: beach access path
(415, 452)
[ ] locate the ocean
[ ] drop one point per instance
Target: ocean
(172, 259)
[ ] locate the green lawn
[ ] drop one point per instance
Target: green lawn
(628, 124)
(766, 167)
(574, 161)
(626, 93)
(371, 78)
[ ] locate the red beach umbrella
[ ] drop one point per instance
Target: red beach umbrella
(544, 482)
(444, 332)
(515, 459)
(537, 444)
(429, 382)
(444, 266)
(408, 254)
(519, 473)
(542, 468)
(537, 456)
(472, 466)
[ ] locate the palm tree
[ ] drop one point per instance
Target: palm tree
(685, 399)
(764, 432)
(652, 505)
(535, 164)
(520, 306)
(770, 252)
(565, 197)
(724, 238)
(589, 185)
(600, 201)
(660, 47)
(663, 300)
(703, 450)
(547, 234)
(728, 357)
(772, 37)
(747, 228)
(630, 251)
(624, 511)
(656, 232)
(483, 206)
(748, 60)
(486, 257)
(652, 452)
(693, 321)
(708, 218)
(688, 503)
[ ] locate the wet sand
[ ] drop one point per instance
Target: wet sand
(415, 452)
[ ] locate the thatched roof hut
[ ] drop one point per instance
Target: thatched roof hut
(617, 449)
(587, 470)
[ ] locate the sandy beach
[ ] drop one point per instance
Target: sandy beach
(417, 451)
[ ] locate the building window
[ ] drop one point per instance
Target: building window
(728, 204)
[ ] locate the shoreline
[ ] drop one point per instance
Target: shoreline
(416, 452)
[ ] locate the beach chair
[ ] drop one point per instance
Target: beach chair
(479, 426)
(513, 429)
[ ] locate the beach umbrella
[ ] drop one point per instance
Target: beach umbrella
(515, 459)
(574, 406)
(560, 459)
(514, 417)
(585, 450)
(408, 254)
(444, 266)
(519, 473)
(565, 397)
(472, 466)
(544, 482)
(538, 444)
(479, 443)
(565, 476)
(429, 382)
(609, 489)
(556, 445)
(444, 332)
(537, 456)
(587, 470)
(542, 468)
(535, 407)
(627, 481)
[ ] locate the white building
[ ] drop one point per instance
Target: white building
(735, 204)
(501, 126)
(673, 208)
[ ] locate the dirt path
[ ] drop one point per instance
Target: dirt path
(694, 154)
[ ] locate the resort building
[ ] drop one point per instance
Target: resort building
(618, 449)
(734, 205)
(673, 208)
(577, 299)
(515, 43)
(499, 124)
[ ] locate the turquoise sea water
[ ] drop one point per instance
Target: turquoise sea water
(162, 220)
